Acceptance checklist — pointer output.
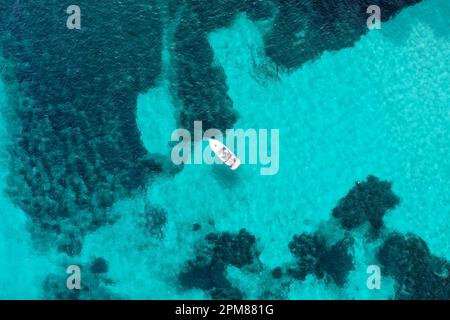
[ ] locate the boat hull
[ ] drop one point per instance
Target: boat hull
(224, 154)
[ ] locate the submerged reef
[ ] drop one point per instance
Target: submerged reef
(76, 146)
(200, 83)
(216, 14)
(235, 249)
(155, 220)
(418, 273)
(315, 256)
(303, 30)
(208, 270)
(99, 265)
(366, 201)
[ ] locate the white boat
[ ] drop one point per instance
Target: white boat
(224, 154)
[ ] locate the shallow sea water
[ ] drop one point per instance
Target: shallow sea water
(380, 107)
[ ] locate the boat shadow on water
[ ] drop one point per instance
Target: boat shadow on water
(226, 177)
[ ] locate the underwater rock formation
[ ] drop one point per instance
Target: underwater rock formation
(210, 277)
(99, 265)
(315, 256)
(303, 30)
(208, 270)
(199, 84)
(155, 220)
(215, 14)
(366, 201)
(337, 261)
(418, 273)
(307, 249)
(71, 246)
(277, 273)
(76, 146)
(235, 249)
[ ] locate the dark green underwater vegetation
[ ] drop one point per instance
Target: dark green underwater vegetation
(366, 201)
(303, 30)
(314, 256)
(76, 147)
(218, 250)
(418, 274)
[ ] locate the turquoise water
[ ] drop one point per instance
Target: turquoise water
(379, 108)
